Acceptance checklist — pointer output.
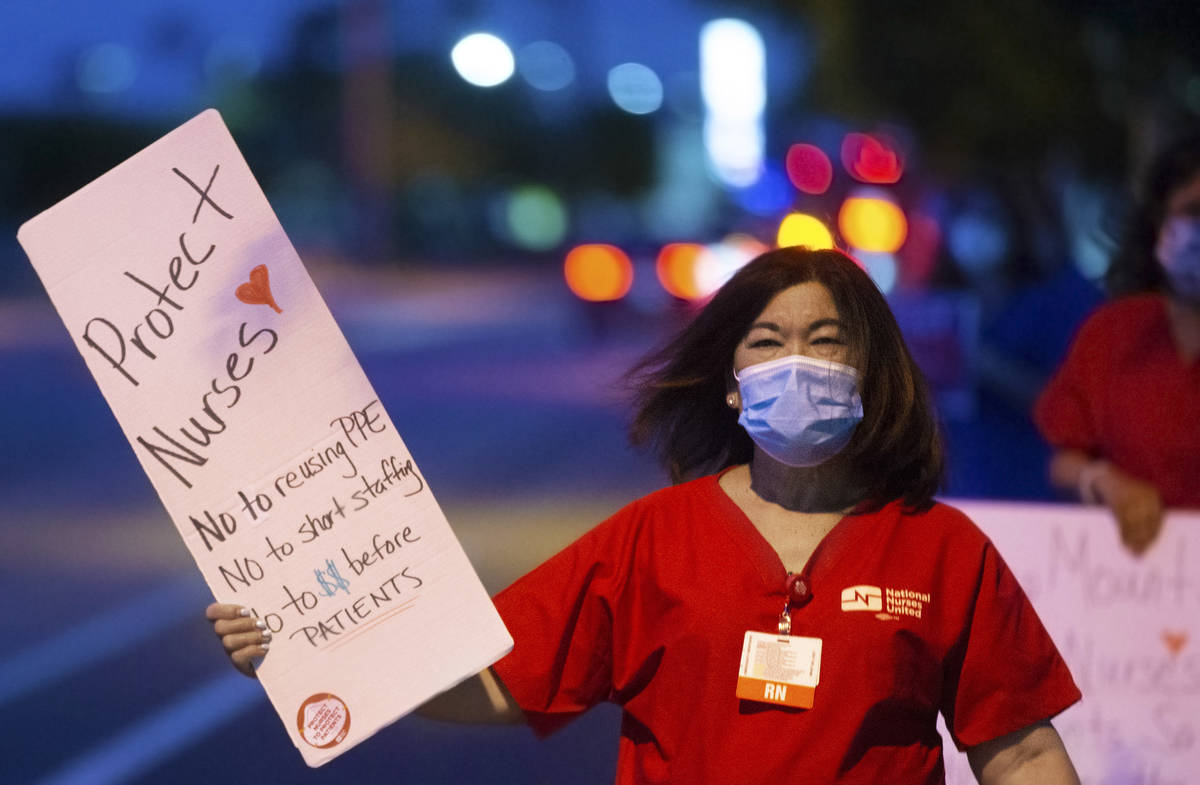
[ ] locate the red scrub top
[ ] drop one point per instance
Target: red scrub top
(650, 608)
(1125, 395)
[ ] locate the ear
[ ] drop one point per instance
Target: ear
(733, 396)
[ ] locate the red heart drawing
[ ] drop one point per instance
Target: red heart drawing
(1174, 641)
(258, 290)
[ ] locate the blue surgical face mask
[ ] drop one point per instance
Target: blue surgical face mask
(1178, 252)
(798, 410)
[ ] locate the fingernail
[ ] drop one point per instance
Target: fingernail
(262, 625)
(243, 611)
(266, 635)
(264, 645)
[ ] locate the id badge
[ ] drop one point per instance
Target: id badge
(779, 669)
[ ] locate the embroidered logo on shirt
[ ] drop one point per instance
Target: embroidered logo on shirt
(862, 598)
(887, 603)
(905, 602)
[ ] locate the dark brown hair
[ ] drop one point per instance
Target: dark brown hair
(679, 391)
(1134, 267)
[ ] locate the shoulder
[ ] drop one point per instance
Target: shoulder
(1114, 332)
(698, 491)
(672, 505)
(1124, 312)
(944, 526)
(959, 557)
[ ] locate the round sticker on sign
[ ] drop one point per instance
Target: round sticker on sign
(323, 720)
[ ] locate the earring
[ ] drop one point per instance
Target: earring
(733, 400)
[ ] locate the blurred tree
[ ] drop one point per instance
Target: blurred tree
(439, 129)
(995, 94)
(991, 85)
(1010, 94)
(1005, 84)
(46, 159)
(49, 157)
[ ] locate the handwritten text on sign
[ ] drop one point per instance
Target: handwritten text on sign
(1128, 627)
(266, 443)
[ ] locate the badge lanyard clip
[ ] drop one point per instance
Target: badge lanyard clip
(794, 588)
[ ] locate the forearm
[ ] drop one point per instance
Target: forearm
(481, 699)
(1070, 470)
(1031, 756)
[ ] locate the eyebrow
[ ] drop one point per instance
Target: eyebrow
(812, 328)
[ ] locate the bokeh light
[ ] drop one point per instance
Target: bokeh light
(635, 88)
(746, 244)
(231, 58)
(803, 229)
(1085, 211)
(483, 60)
(106, 68)
(676, 268)
(598, 272)
(871, 159)
(919, 255)
(809, 169)
(546, 66)
(536, 217)
(733, 67)
(721, 260)
(768, 197)
(882, 268)
(977, 241)
(872, 223)
(733, 85)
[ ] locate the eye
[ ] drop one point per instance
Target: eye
(829, 339)
(763, 343)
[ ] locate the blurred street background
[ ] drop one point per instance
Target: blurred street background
(505, 204)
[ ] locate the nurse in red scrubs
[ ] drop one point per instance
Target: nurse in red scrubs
(797, 607)
(1123, 411)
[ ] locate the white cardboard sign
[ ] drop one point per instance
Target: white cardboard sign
(266, 443)
(1128, 627)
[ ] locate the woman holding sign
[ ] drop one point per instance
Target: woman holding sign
(797, 607)
(1123, 412)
